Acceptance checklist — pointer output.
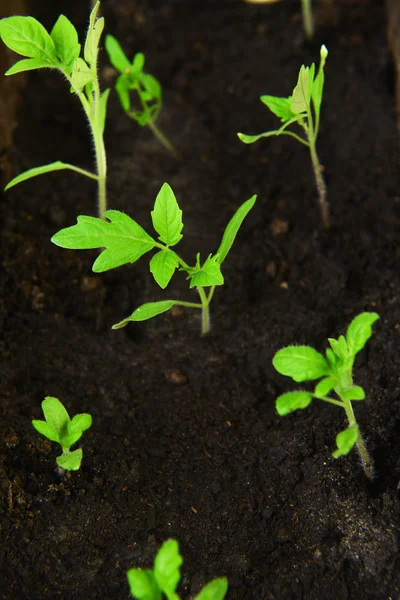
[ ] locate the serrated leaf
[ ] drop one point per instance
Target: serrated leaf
(143, 585)
(54, 166)
(279, 106)
(302, 92)
(207, 274)
(28, 37)
(56, 415)
(345, 441)
(354, 393)
(167, 567)
(301, 363)
(214, 590)
(65, 38)
(232, 228)
(331, 357)
(291, 401)
(103, 108)
(167, 216)
(81, 75)
(147, 311)
(325, 386)
(122, 89)
(162, 266)
(47, 430)
(125, 241)
(95, 30)
(29, 64)
(71, 461)
(117, 56)
(359, 331)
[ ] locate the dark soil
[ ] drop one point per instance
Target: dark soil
(186, 441)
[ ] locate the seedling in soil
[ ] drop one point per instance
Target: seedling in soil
(302, 107)
(125, 241)
(58, 427)
(303, 363)
(306, 10)
(132, 78)
(60, 50)
(163, 579)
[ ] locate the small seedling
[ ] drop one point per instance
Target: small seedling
(302, 107)
(132, 78)
(306, 11)
(125, 241)
(60, 50)
(303, 363)
(58, 427)
(163, 579)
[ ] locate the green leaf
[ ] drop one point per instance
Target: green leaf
(56, 415)
(103, 108)
(167, 217)
(163, 265)
(232, 228)
(250, 139)
(359, 331)
(152, 86)
(291, 401)
(206, 275)
(318, 85)
(301, 363)
(46, 430)
(80, 423)
(137, 63)
(331, 358)
(54, 166)
(28, 37)
(122, 89)
(279, 106)
(95, 30)
(345, 441)
(166, 567)
(29, 64)
(65, 38)
(339, 347)
(302, 92)
(70, 461)
(116, 55)
(325, 386)
(214, 590)
(125, 241)
(147, 311)
(143, 585)
(354, 393)
(70, 439)
(81, 75)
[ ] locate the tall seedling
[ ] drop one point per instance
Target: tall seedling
(60, 50)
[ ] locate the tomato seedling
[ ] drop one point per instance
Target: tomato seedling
(123, 241)
(302, 107)
(303, 363)
(60, 50)
(132, 78)
(163, 579)
(58, 427)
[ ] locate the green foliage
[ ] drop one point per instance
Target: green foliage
(303, 363)
(123, 241)
(58, 427)
(60, 49)
(163, 579)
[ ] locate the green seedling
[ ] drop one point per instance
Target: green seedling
(303, 363)
(132, 78)
(58, 427)
(302, 108)
(125, 241)
(163, 579)
(60, 50)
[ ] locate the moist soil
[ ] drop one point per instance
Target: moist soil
(186, 441)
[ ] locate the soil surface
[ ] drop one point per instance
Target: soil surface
(186, 441)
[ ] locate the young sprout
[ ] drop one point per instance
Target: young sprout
(303, 363)
(163, 579)
(306, 12)
(60, 50)
(125, 241)
(302, 107)
(148, 89)
(58, 427)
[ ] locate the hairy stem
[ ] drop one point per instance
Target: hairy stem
(308, 23)
(321, 186)
(366, 460)
(163, 139)
(205, 312)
